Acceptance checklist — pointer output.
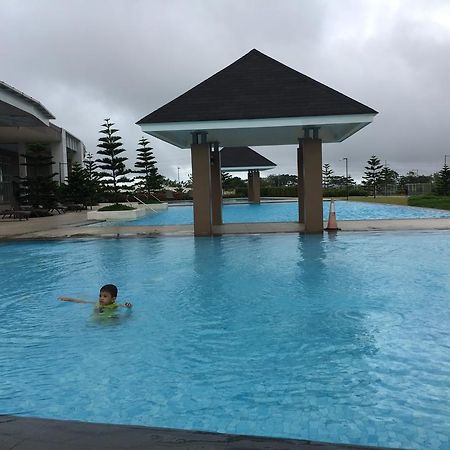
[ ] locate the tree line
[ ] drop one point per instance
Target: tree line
(377, 179)
(106, 178)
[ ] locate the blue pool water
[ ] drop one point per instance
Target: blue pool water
(338, 338)
(288, 212)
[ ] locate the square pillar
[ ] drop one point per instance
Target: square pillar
(312, 185)
(255, 190)
(22, 151)
(216, 186)
(201, 189)
(300, 184)
(250, 186)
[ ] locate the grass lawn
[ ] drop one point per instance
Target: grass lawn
(391, 199)
(424, 201)
(430, 201)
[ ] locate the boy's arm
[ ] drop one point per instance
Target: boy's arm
(75, 300)
(125, 305)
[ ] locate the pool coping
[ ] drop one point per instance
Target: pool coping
(25, 433)
(72, 225)
(76, 228)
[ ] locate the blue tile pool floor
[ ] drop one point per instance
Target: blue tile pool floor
(287, 212)
(341, 338)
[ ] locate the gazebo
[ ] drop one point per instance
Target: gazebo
(239, 159)
(257, 101)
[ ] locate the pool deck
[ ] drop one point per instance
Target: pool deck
(20, 433)
(71, 225)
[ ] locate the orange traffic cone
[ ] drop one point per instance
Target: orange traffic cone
(332, 224)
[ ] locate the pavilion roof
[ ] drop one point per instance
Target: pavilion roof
(257, 95)
(234, 159)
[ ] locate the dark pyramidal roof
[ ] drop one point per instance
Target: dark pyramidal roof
(243, 157)
(256, 87)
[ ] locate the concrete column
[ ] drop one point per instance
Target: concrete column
(59, 156)
(250, 193)
(216, 186)
(256, 187)
(22, 150)
(201, 189)
(300, 184)
(312, 176)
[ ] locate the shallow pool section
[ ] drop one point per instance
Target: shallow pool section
(287, 212)
(339, 338)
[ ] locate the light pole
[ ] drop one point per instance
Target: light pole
(346, 175)
(445, 159)
(178, 175)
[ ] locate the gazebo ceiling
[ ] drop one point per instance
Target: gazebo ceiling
(238, 159)
(257, 101)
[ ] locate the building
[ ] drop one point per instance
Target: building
(24, 121)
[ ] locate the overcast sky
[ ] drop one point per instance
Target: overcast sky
(86, 60)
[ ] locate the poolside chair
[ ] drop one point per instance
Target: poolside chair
(75, 207)
(15, 214)
(59, 208)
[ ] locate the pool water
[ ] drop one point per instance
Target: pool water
(339, 338)
(288, 212)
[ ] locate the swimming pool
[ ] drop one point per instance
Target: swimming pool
(337, 338)
(287, 212)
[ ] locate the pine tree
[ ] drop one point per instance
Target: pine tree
(77, 190)
(226, 180)
(92, 180)
(372, 175)
(387, 177)
(327, 173)
(38, 188)
(443, 182)
(145, 165)
(112, 165)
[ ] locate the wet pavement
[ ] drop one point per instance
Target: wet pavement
(72, 225)
(20, 433)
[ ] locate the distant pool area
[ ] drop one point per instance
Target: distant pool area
(287, 212)
(340, 338)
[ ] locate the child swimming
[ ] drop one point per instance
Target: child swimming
(106, 300)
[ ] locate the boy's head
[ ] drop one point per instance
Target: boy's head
(108, 294)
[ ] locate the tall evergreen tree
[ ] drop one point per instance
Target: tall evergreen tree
(387, 177)
(38, 187)
(145, 166)
(112, 166)
(226, 178)
(77, 190)
(92, 180)
(443, 181)
(327, 173)
(372, 175)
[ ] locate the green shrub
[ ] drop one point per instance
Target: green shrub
(117, 207)
(353, 191)
(287, 191)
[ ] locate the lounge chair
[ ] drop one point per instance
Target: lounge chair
(15, 214)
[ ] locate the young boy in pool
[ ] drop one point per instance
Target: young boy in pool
(106, 299)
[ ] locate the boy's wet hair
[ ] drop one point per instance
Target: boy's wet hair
(110, 288)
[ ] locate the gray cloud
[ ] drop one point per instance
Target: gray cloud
(87, 60)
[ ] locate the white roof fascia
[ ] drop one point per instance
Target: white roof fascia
(19, 100)
(257, 123)
(242, 169)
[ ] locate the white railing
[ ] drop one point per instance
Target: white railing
(145, 204)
